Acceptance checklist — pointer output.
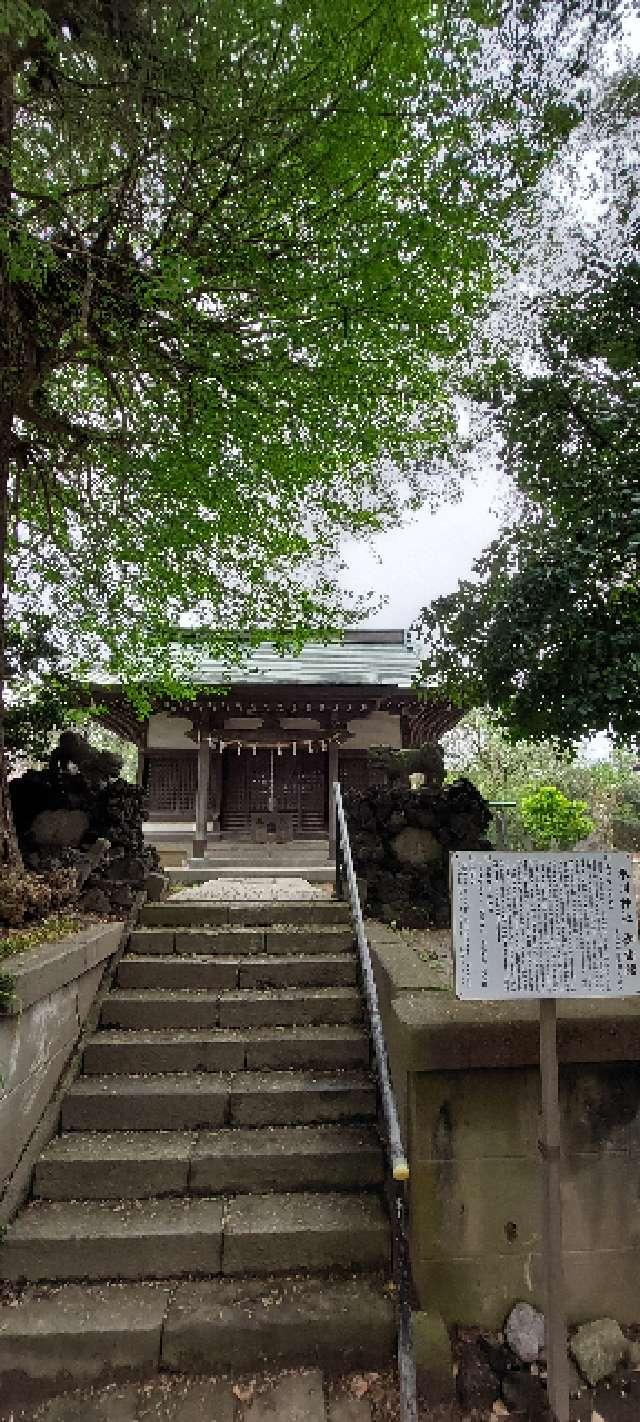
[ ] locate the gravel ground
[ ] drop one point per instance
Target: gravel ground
(253, 889)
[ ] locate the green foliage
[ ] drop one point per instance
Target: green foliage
(552, 820)
(245, 249)
(548, 632)
(480, 749)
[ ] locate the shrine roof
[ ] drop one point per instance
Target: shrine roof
(366, 658)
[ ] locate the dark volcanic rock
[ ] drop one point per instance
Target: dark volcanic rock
(476, 1382)
(401, 838)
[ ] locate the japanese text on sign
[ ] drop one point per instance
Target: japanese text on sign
(544, 925)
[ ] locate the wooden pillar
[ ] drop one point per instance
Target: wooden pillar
(216, 793)
(202, 798)
(334, 771)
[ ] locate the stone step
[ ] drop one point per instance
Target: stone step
(200, 972)
(274, 1234)
(241, 1326)
(286, 1007)
(193, 1100)
(139, 1164)
(236, 941)
(139, 1239)
(123, 1052)
(151, 1239)
(196, 913)
(213, 1327)
(185, 873)
(287, 1159)
(128, 1165)
(188, 1008)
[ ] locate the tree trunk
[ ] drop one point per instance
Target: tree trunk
(9, 358)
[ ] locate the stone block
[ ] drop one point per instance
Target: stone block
(29, 1041)
(246, 1324)
(120, 1166)
(161, 1103)
(277, 1098)
(298, 1397)
(115, 1403)
(21, 1109)
(134, 1240)
(38, 974)
(280, 1233)
(473, 1115)
(480, 1290)
(326, 970)
(600, 1106)
(433, 1357)
(152, 940)
(475, 1207)
(87, 987)
(328, 1048)
(219, 941)
(163, 1009)
(286, 1159)
(120, 1327)
(299, 1007)
(134, 1053)
(194, 1400)
(601, 1202)
(197, 974)
(475, 1291)
(347, 1408)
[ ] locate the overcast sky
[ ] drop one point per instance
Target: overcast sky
(425, 557)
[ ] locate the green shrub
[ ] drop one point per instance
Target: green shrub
(552, 820)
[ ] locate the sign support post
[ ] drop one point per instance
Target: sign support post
(555, 1319)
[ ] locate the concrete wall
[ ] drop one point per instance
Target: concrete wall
(467, 1083)
(476, 1190)
(55, 986)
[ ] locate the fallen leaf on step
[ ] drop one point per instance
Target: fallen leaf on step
(359, 1384)
(499, 1409)
(244, 1393)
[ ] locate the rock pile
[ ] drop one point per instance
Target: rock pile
(79, 827)
(401, 838)
(504, 1374)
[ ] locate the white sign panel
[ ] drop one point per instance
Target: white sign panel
(544, 925)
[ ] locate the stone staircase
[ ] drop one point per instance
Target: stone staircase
(213, 1203)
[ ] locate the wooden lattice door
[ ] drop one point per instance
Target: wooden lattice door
(171, 785)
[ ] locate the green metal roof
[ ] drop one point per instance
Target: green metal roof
(339, 663)
(359, 660)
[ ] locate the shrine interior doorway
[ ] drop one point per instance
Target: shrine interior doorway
(274, 786)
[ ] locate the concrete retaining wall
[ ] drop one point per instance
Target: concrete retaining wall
(55, 986)
(467, 1082)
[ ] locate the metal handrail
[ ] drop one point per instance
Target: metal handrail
(399, 1162)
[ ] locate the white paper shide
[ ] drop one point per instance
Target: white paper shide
(538, 925)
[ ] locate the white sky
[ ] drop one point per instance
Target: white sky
(425, 557)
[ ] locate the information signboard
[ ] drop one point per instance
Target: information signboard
(537, 925)
(546, 926)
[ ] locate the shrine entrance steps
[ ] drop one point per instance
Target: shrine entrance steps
(214, 1201)
(243, 859)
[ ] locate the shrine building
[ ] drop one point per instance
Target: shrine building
(255, 754)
